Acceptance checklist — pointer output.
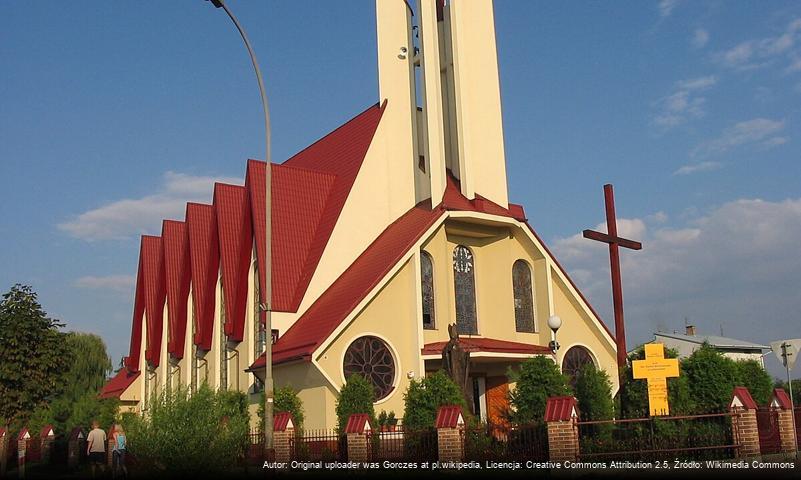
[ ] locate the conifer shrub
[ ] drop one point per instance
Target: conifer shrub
(537, 379)
(356, 396)
(424, 397)
(752, 375)
(711, 378)
(594, 395)
(285, 399)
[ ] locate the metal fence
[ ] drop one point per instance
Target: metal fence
(506, 442)
(319, 445)
(400, 444)
(691, 437)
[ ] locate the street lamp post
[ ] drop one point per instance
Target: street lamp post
(266, 266)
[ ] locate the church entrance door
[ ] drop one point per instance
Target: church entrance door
(497, 401)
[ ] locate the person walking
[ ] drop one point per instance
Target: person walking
(96, 448)
(118, 453)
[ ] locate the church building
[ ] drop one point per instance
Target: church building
(386, 231)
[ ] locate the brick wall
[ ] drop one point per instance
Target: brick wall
(563, 441)
(3, 454)
(786, 432)
(282, 444)
(746, 433)
(357, 447)
(450, 444)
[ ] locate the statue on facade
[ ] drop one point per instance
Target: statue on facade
(456, 361)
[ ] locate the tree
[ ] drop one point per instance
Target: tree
(185, 435)
(633, 396)
(538, 379)
(356, 396)
(424, 397)
(90, 365)
(712, 377)
(33, 355)
(752, 375)
(796, 390)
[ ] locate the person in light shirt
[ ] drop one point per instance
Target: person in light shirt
(96, 448)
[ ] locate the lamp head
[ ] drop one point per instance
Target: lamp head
(554, 323)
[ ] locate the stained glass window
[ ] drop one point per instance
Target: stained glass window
(465, 290)
(523, 297)
(371, 358)
(223, 342)
(427, 283)
(574, 360)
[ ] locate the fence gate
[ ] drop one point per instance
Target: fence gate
(768, 427)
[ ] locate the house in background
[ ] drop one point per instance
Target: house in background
(689, 341)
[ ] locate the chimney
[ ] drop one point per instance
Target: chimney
(690, 330)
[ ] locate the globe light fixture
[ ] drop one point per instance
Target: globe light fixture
(554, 323)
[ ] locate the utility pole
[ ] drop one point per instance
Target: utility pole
(267, 260)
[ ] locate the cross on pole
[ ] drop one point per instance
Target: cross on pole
(614, 260)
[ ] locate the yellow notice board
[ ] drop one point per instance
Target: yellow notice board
(656, 369)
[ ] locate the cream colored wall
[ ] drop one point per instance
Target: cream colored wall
(493, 259)
(577, 329)
(315, 392)
(478, 100)
(391, 316)
(163, 370)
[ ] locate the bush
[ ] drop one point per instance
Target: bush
(594, 395)
(285, 399)
(424, 397)
(356, 396)
(182, 435)
(752, 375)
(796, 390)
(711, 377)
(538, 379)
(633, 395)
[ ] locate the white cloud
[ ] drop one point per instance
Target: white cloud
(757, 53)
(795, 65)
(735, 264)
(698, 167)
(666, 7)
(116, 283)
(774, 142)
(700, 38)
(684, 102)
(743, 133)
(129, 217)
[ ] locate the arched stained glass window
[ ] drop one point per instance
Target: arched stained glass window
(427, 284)
(465, 290)
(574, 360)
(523, 297)
(371, 358)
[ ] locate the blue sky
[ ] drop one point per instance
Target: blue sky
(114, 114)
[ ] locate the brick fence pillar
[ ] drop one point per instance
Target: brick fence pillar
(357, 431)
(744, 423)
(46, 438)
(111, 444)
(450, 433)
(781, 401)
(283, 435)
(22, 451)
(75, 445)
(3, 451)
(561, 416)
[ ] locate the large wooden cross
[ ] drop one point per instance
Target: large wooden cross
(614, 260)
(656, 369)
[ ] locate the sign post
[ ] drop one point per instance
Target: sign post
(787, 351)
(656, 369)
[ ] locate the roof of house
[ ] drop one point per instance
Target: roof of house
(715, 341)
(177, 272)
(118, 383)
(488, 345)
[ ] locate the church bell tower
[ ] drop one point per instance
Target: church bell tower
(438, 70)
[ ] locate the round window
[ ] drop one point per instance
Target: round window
(371, 358)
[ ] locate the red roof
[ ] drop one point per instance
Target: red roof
(559, 409)
(742, 394)
(75, 432)
(22, 433)
(178, 273)
(282, 420)
(449, 416)
(782, 399)
(118, 384)
(358, 423)
(46, 431)
(132, 360)
(2, 432)
(155, 295)
(236, 249)
(488, 345)
(204, 253)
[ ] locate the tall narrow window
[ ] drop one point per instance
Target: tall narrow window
(223, 343)
(259, 335)
(427, 284)
(193, 372)
(524, 297)
(465, 290)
